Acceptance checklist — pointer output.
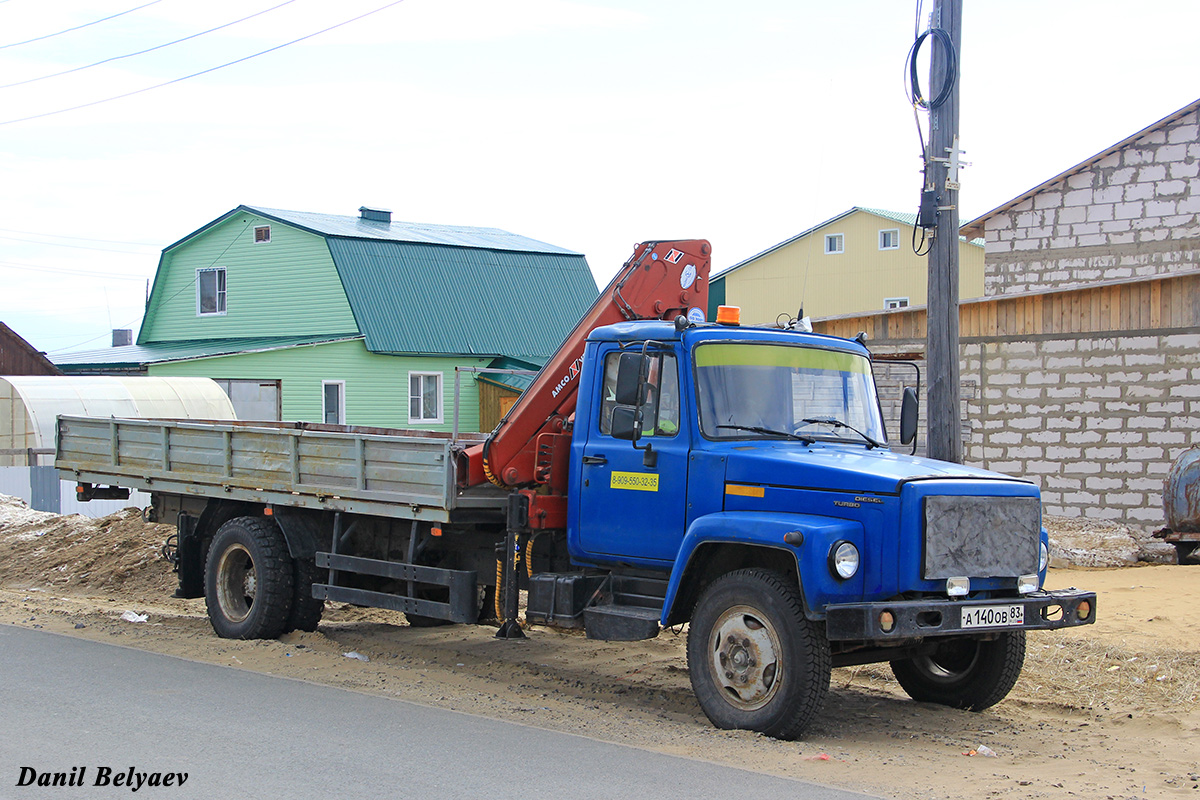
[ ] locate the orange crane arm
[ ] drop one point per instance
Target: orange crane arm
(661, 280)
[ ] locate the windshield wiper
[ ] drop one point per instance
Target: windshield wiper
(769, 432)
(837, 423)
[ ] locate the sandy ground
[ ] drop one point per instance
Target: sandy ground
(1107, 711)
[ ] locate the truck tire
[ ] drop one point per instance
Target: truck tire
(248, 580)
(1185, 552)
(306, 609)
(756, 662)
(965, 673)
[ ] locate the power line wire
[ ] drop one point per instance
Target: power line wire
(78, 27)
(232, 241)
(204, 71)
(71, 347)
(72, 246)
(66, 271)
(77, 238)
(147, 50)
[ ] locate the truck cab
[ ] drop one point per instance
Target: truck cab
(738, 475)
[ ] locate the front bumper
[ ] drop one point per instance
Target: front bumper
(918, 619)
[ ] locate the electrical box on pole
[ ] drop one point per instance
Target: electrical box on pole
(942, 160)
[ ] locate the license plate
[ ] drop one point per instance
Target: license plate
(993, 616)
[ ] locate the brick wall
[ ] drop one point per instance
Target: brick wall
(1133, 213)
(1095, 420)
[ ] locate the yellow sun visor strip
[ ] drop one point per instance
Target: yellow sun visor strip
(786, 356)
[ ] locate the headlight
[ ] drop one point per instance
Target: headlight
(1043, 557)
(843, 560)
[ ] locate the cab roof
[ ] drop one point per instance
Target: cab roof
(661, 330)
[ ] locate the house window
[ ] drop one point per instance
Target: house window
(333, 402)
(835, 243)
(210, 291)
(895, 302)
(425, 397)
(262, 234)
(889, 240)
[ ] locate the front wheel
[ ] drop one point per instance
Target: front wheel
(248, 580)
(972, 674)
(756, 662)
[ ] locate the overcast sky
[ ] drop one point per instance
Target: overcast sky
(592, 125)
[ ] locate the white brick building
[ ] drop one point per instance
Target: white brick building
(1081, 366)
(1131, 211)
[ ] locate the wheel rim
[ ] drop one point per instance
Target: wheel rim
(237, 583)
(951, 662)
(745, 652)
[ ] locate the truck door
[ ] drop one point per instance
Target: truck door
(629, 510)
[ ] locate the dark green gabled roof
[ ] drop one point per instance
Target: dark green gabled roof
(429, 289)
(408, 232)
(517, 383)
(424, 298)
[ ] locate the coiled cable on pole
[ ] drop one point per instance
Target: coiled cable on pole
(948, 81)
(929, 195)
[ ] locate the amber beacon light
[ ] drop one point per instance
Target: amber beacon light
(729, 315)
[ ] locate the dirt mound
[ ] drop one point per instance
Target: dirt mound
(75, 552)
(1078, 542)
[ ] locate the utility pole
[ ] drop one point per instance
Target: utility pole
(941, 348)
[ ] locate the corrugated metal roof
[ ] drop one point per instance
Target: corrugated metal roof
(424, 298)
(413, 232)
(895, 216)
(517, 383)
(136, 355)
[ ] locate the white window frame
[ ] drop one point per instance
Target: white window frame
(341, 409)
(840, 239)
(267, 237)
(222, 298)
(895, 302)
(895, 237)
(423, 420)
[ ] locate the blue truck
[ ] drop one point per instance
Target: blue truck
(662, 471)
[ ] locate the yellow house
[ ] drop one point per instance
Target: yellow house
(859, 261)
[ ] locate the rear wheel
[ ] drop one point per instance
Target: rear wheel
(756, 662)
(1185, 552)
(964, 673)
(248, 580)
(306, 610)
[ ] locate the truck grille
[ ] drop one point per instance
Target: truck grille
(981, 537)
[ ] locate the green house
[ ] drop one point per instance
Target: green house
(354, 320)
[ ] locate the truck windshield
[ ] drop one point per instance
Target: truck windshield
(784, 389)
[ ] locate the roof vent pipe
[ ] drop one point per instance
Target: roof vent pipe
(376, 214)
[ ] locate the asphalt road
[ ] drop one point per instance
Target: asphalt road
(68, 704)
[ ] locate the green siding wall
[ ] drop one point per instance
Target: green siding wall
(376, 385)
(286, 287)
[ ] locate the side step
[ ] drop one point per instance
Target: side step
(621, 623)
(463, 599)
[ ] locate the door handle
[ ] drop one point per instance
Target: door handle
(595, 460)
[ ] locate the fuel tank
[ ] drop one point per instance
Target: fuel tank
(1181, 494)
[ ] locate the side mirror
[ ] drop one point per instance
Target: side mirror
(631, 372)
(909, 411)
(626, 423)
